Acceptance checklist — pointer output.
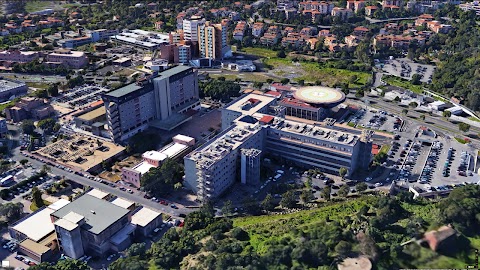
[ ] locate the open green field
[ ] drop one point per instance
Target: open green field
(261, 52)
(32, 6)
(399, 82)
(313, 72)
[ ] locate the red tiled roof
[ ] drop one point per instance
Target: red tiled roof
(266, 119)
(273, 93)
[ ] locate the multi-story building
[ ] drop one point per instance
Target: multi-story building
(239, 30)
(131, 108)
(370, 10)
(182, 54)
(255, 125)
(397, 41)
(11, 88)
(19, 56)
(212, 39)
(257, 29)
(71, 59)
(475, 6)
(356, 5)
(29, 108)
(190, 28)
(342, 13)
(148, 40)
(102, 34)
(76, 42)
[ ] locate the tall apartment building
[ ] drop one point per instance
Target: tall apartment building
(190, 28)
(131, 108)
(212, 39)
(258, 127)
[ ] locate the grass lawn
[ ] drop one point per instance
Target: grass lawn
(6, 105)
(32, 6)
(385, 148)
(38, 85)
(254, 77)
(34, 207)
(399, 82)
(473, 119)
(312, 72)
(461, 140)
(261, 52)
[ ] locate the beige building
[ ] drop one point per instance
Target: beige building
(212, 38)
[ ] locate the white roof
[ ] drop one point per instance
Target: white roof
(154, 155)
(37, 226)
(143, 167)
(67, 225)
(437, 103)
(144, 216)
(183, 138)
(174, 149)
(58, 204)
(98, 193)
(454, 109)
(122, 203)
(73, 217)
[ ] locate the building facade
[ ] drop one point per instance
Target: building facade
(131, 108)
(212, 38)
(252, 127)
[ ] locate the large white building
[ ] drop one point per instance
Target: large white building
(255, 125)
(190, 28)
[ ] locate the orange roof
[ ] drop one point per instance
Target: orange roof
(96, 103)
(266, 119)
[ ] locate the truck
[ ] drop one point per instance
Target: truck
(6, 180)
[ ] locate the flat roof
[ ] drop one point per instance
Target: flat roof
(73, 217)
(122, 91)
(319, 95)
(143, 167)
(174, 149)
(65, 224)
(93, 114)
(173, 71)
(58, 204)
(123, 203)
(154, 155)
(34, 247)
(144, 216)
(37, 226)
(250, 104)
(99, 214)
(98, 193)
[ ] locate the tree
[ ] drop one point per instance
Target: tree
(326, 191)
(27, 127)
(46, 169)
(285, 81)
(306, 196)
(161, 180)
(343, 249)
(281, 54)
(413, 104)
(288, 199)
(405, 111)
(422, 116)
(221, 90)
(227, 208)
(416, 79)
(37, 197)
(461, 208)
(397, 99)
(46, 124)
(137, 249)
(342, 172)
(343, 191)
(268, 204)
(53, 90)
(130, 263)
(23, 162)
(361, 187)
(301, 82)
(71, 265)
(447, 114)
(464, 127)
(11, 211)
(258, 85)
(269, 81)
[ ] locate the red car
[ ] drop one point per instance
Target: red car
(163, 202)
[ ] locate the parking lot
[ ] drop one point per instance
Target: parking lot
(376, 119)
(405, 68)
(80, 96)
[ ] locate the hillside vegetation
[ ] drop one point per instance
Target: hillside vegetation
(372, 225)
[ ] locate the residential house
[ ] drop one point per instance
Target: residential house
(257, 29)
(370, 10)
(356, 5)
(342, 13)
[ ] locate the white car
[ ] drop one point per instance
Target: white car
(378, 184)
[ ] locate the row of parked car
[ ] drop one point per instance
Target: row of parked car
(431, 163)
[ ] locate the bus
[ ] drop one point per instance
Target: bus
(6, 180)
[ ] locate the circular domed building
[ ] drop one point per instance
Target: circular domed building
(312, 102)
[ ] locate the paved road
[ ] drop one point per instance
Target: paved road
(389, 20)
(87, 182)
